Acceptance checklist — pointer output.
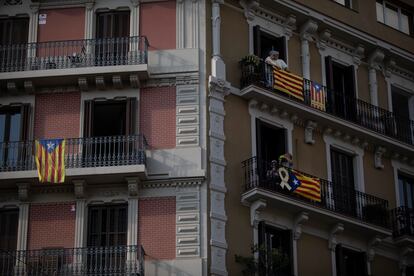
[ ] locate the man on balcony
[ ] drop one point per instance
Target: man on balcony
(274, 60)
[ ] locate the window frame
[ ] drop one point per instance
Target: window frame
(400, 11)
(404, 196)
(347, 3)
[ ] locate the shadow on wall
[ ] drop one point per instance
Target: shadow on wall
(168, 268)
(173, 60)
(173, 162)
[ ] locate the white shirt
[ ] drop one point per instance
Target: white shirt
(279, 63)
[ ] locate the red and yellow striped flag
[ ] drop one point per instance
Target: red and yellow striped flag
(289, 83)
(308, 187)
(50, 160)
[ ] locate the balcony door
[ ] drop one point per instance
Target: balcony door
(350, 262)
(13, 43)
(275, 251)
(14, 121)
(343, 184)
(8, 240)
(400, 106)
(112, 33)
(340, 81)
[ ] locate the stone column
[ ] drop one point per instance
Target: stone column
(306, 32)
(80, 224)
(374, 61)
(132, 234)
(298, 221)
(23, 195)
(89, 19)
(218, 68)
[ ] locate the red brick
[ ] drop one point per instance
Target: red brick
(51, 225)
(157, 116)
(57, 115)
(156, 227)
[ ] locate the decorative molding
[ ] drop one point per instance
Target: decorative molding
(83, 84)
(336, 230)
(375, 59)
(23, 191)
(308, 29)
(248, 7)
(379, 152)
(298, 221)
(117, 81)
(134, 81)
(192, 182)
(187, 116)
(79, 188)
(28, 87)
(100, 82)
(133, 186)
(309, 130)
(372, 244)
(11, 87)
(255, 209)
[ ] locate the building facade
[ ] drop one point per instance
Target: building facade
(356, 139)
(121, 82)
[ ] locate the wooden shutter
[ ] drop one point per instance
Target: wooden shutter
(256, 41)
(24, 122)
(130, 116)
(88, 119)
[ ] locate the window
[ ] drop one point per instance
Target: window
(394, 16)
(271, 141)
(264, 43)
(13, 31)
(112, 28)
(401, 109)
(14, 121)
(275, 251)
(110, 117)
(107, 225)
(343, 182)
(350, 262)
(346, 3)
(341, 86)
(8, 239)
(406, 190)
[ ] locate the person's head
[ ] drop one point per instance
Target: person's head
(274, 54)
(274, 163)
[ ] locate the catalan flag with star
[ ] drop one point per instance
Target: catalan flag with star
(305, 186)
(50, 160)
(288, 83)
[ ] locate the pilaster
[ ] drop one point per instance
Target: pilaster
(374, 61)
(89, 19)
(133, 188)
(306, 32)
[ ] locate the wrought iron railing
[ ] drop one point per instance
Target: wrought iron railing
(79, 152)
(402, 219)
(102, 261)
(338, 198)
(74, 54)
(348, 108)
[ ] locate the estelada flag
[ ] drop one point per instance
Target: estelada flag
(318, 96)
(50, 160)
(305, 186)
(288, 83)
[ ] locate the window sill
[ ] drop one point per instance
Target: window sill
(392, 28)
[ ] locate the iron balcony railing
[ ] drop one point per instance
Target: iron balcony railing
(93, 261)
(343, 106)
(402, 219)
(74, 54)
(338, 198)
(79, 152)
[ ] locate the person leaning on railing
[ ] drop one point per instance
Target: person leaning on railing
(273, 60)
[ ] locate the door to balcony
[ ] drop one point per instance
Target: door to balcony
(344, 194)
(107, 238)
(8, 240)
(112, 30)
(13, 37)
(400, 106)
(341, 90)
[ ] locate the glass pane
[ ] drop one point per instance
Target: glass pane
(409, 195)
(391, 16)
(401, 191)
(342, 2)
(380, 12)
(405, 23)
(15, 127)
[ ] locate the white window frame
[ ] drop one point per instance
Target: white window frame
(399, 10)
(400, 167)
(358, 159)
(344, 4)
(255, 113)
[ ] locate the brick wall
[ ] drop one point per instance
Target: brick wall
(157, 118)
(156, 227)
(157, 23)
(51, 225)
(57, 115)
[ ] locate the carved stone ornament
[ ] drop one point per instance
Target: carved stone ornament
(309, 128)
(379, 151)
(23, 191)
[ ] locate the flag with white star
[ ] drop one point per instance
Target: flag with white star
(50, 160)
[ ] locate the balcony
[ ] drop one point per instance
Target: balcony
(68, 59)
(349, 109)
(116, 260)
(83, 156)
(339, 204)
(402, 219)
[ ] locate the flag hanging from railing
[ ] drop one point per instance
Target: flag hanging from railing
(318, 96)
(305, 186)
(288, 83)
(50, 160)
